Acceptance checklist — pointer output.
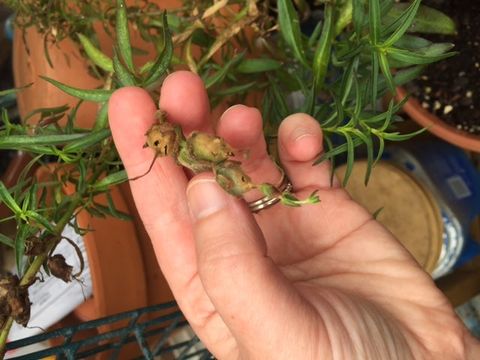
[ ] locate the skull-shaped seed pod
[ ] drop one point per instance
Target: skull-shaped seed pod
(230, 176)
(59, 268)
(164, 139)
(208, 147)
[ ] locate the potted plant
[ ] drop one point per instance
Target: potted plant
(444, 98)
(337, 73)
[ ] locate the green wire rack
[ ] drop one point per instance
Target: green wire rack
(154, 332)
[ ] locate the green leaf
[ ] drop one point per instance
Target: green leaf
(86, 141)
(161, 64)
(375, 70)
(321, 58)
(220, 75)
(396, 136)
(239, 89)
(340, 149)
(14, 90)
(381, 148)
(312, 40)
(124, 76)
(427, 20)
(123, 35)
(367, 139)
(96, 95)
(350, 157)
(386, 72)
(110, 180)
(41, 220)
(101, 122)
(253, 66)
(358, 16)
(5, 240)
(405, 21)
(8, 200)
(24, 141)
(290, 29)
(21, 236)
(95, 54)
(374, 13)
(433, 53)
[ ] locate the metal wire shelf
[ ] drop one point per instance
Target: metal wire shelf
(155, 332)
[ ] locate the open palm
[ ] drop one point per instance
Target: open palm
(323, 281)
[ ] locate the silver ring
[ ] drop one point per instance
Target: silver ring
(268, 201)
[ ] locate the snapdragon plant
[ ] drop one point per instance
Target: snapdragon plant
(358, 52)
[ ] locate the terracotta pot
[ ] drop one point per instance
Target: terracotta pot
(437, 126)
(69, 67)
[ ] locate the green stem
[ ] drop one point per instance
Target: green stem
(35, 266)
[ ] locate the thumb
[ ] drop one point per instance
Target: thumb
(244, 284)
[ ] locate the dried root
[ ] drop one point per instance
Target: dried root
(202, 152)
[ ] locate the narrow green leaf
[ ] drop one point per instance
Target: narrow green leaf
(124, 76)
(347, 80)
(396, 136)
(123, 35)
(23, 141)
(239, 89)
(367, 139)
(358, 16)
(406, 20)
(161, 64)
(253, 66)
(381, 149)
(96, 95)
(321, 58)
(313, 39)
(426, 21)
(418, 57)
(14, 90)
(386, 72)
(344, 17)
(88, 140)
(8, 200)
(350, 157)
(5, 240)
(95, 54)
(21, 236)
(220, 75)
(41, 220)
(290, 29)
(375, 70)
(340, 149)
(101, 122)
(374, 13)
(388, 117)
(110, 180)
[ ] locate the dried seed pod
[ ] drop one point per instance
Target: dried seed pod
(35, 245)
(163, 138)
(59, 268)
(208, 147)
(230, 176)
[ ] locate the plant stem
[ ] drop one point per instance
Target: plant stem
(35, 266)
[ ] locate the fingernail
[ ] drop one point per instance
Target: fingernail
(205, 197)
(300, 133)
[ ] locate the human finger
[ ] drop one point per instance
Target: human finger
(300, 143)
(184, 99)
(238, 276)
(242, 128)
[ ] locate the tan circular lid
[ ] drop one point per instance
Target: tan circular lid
(409, 211)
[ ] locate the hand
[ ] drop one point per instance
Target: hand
(322, 281)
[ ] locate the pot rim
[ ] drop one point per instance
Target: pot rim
(436, 125)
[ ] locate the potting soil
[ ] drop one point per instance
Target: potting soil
(450, 89)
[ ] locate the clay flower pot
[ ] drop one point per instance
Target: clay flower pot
(437, 126)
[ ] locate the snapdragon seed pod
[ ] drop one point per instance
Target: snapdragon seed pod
(208, 147)
(59, 268)
(163, 138)
(230, 176)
